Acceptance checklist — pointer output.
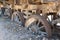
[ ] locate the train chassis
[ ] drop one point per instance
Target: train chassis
(42, 22)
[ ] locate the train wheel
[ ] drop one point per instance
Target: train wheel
(18, 18)
(37, 22)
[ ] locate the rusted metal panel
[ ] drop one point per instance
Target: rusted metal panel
(49, 7)
(46, 1)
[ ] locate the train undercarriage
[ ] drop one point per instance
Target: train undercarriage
(38, 16)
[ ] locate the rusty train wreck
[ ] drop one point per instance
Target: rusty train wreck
(35, 15)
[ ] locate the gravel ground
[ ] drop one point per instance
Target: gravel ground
(12, 31)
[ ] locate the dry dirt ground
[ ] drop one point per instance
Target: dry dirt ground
(12, 31)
